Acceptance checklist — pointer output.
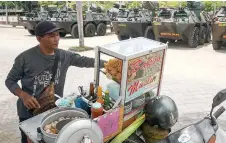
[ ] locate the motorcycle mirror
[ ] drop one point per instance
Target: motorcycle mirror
(219, 98)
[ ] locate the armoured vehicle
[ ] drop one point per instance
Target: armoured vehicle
(133, 23)
(186, 24)
(113, 12)
(32, 19)
(93, 23)
(219, 28)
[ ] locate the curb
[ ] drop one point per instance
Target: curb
(10, 26)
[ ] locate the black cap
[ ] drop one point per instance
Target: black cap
(45, 27)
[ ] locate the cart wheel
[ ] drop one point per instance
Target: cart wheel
(90, 30)
(74, 31)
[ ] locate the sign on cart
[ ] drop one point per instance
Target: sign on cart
(143, 74)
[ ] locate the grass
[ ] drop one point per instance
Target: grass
(80, 49)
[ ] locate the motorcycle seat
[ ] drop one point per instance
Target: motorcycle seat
(190, 134)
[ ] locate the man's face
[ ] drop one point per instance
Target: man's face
(50, 41)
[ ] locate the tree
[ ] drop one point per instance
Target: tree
(134, 4)
(172, 4)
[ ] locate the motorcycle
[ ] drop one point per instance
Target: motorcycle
(205, 131)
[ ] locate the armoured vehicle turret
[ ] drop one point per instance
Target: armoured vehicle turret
(136, 22)
(219, 28)
(122, 15)
(113, 12)
(186, 24)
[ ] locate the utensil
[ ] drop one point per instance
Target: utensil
(81, 90)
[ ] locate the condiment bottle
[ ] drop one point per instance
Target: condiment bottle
(107, 101)
(96, 110)
(91, 90)
(99, 95)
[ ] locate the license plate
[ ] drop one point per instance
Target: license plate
(157, 23)
(122, 25)
(222, 24)
(169, 34)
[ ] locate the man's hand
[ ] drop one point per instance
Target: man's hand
(30, 102)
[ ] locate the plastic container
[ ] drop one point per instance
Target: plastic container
(96, 110)
(80, 103)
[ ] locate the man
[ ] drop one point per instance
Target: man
(34, 68)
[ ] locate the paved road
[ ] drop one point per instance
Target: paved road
(191, 77)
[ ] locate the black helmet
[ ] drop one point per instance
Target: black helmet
(161, 111)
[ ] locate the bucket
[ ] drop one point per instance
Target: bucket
(152, 134)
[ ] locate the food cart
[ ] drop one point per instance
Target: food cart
(138, 70)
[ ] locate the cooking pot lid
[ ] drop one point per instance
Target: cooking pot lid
(75, 131)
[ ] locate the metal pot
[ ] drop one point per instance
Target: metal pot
(55, 115)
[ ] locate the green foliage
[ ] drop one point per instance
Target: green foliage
(10, 4)
(209, 5)
(133, 4)
(172, 4)
(104, 4)
(46, 3)
(31, 5)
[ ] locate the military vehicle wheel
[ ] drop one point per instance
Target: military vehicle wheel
(217, 45)
(101, 29)
(32, 32)
(193, 39)
(90, 30)
(202, 35)
(163, 40)
(120, 37)
(149, 33)
(208, 34)
(74, 31)
(62, 34)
